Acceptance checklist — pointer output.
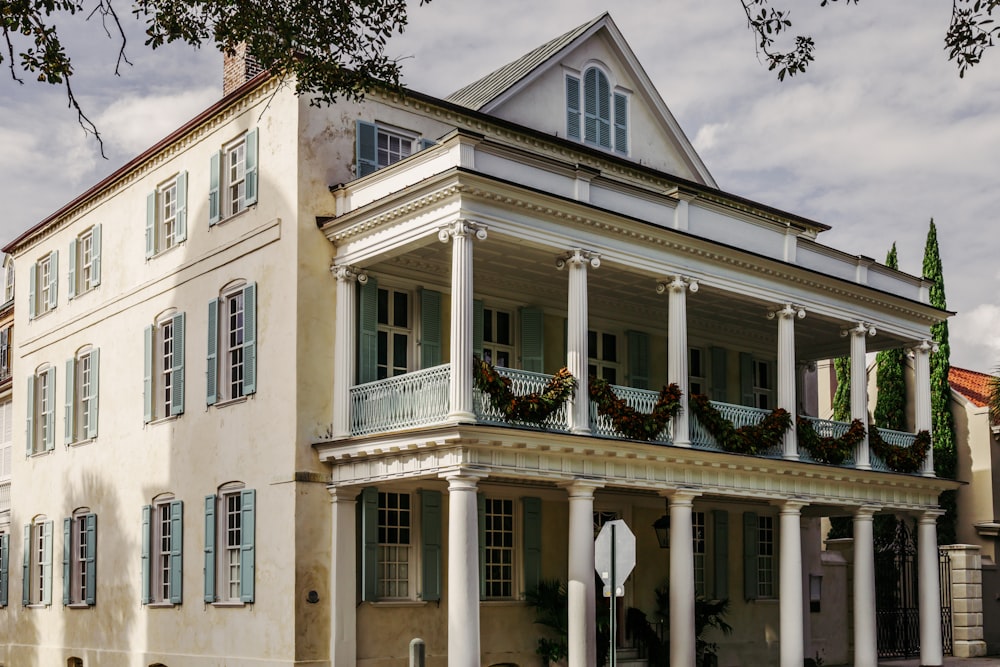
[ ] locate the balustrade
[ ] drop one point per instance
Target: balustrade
(896, 439)
(826, 428)
(521, 383)
(4, 496)
(404, 401)
(640, 400)
(739, 415)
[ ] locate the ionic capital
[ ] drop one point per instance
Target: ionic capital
(787, 312)
(677, 283)
(924, 347)
(859, 329)
(461, 229)
(348, 274)
(578, 257)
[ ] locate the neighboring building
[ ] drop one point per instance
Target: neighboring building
(6, 425)
(289, 318)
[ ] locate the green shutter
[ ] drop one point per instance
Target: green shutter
(250, 339)
(430, 537)
(251, 167)
(71, 282)
(147, 375)
(248, 512)
(214, 175)
(746, 379)
(590, 105)
(430, 328)
(177, 380)
(90, 558)
(532, 556)
(95, 249)
(532, 339)
(4, 568)
(638, 359)
(366, 146)
(176, 551)
(180, 225)
(720, 554)
(67, 550)
(70, 412)
(718, 379)
(47, 563)
(50, 399)
(54, 280)
(368, 331)
(477, 328)
(369, 544)
(26, 567)
(212, 364)
(95, 383)
(481, 512)
(30, 431)
(32, 279)
(210, 549)
(147, 511)
(572, 107)
(750, 555)
(151, 224)
(604, 110)
(621, 124)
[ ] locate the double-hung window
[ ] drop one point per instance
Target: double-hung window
(166, 215)
(378, 146)
(37, 568)
(498, 337)
(498, 547)
(233, 178)
(85, 262)
(696, 371)
(43, 285)
(163, 367)
(760, 562)
(162, 551)
(603, 352)
(762, 385)
(602, 111)
(232, 344)
(229, 545)
(8, 279)
(393, 333)
(395, 530)
(6, 345)
(80, 421)
(80, 558)
(41, 397)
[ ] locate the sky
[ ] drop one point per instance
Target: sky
(877, 138)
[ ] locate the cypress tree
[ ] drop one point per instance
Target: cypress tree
(842, 397)
(890, 406)
(943, 432)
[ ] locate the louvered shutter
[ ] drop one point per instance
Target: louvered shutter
(750, 537)
(151, 224)
(95, 383)
(572, 107)
(250, 339)
(477, 328)
(30, 431)
(47, 563)
(50, 414)
(430, 328)
(176, 551)
(248, 525)
(147, 375)
(212, 361)
(4, 568)
(532, 339)
(69, 415)
(90, 559)
(32, 280)
(603, 110)
(718, 392)
(214, 176)
(369, 544)
(746, 379)
(621, 124)
(147, 512)
(180, 223)
(638, 359)
(26, 567)
(71, 282)
(368, 331)
(67, 550)
(177, 372)
(532, 556)
(430, 545)
(366, 148)
(251, 167)
(590, 106)
(210, 532)
(95, 249)
(720, 554)
(54, 279)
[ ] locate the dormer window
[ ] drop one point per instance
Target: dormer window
(604, 114)
(379, 146)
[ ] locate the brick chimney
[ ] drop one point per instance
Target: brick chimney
(238, 68)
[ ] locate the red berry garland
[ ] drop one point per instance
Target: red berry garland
(628, 421)
(745, 439)
(829, 450)
(901, 459)
(533, 408)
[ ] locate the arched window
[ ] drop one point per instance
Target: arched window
(37, 586)
(230, 518)
(232, 343)
(81, 395)
(41, 396)
(163, 377)
(602, 108)
(162, 550)
(596, 108)
(80, 558)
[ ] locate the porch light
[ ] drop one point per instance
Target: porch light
(662, 528)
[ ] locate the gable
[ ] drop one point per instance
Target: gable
(538, 90)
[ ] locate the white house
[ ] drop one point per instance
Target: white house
(253, 431)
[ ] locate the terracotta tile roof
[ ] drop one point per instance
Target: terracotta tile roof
(971, 384)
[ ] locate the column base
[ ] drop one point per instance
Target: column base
(682, 443)
(462, 418)
(972, 648)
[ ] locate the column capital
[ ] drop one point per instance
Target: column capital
(930, 516)
(345, 273)
(787, 311)
(681, 497)
(859, 329)
(578, 257)
(791, 506)
(677, 283)
(582, 487)
(461, 229)
(865, 512)
(462, 478)
(924, 347)
(340, 494)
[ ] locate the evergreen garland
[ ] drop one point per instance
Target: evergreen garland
(752, 440)
(826, 449)
(890, 405)
(628, 421)
(901, 459)
(533, 408)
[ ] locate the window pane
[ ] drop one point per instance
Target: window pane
(503, 328)
(399, 361)
(400, 309)
(609, 347)
(383, 306)
(592, 344)
(488, 326)
(610, 374)
(695, 362)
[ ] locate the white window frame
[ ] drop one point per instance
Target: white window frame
(163, 360)
(699, 526)
(6, 347)
(597, 358)
(392, 145)
(39, 572)
(44, 423)
(166, 215)
(767, 557)
(763, 384)
(234, 174)
(8, 280)
(229, 539)
(232, 342)
(82, 396)
(160, 546)
(508, 585)
(78, 564)
(85, 262)
(494, 349)
(46, 285)
(388, 330)
(389, 552)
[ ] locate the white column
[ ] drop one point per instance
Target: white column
(463, 570)
(460, 391)
(576, 335)
(786, 372)
(792, 651)
(865, 645)
(859, 387)
(923, 415)
(929, 589)
(343, 579)
(345, 352)
(677, 350)
(580, 590)
(682, 630)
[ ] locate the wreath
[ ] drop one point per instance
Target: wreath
(829, 450)
(901, 459)
(533, 408)
(628, 421)
(752, 440)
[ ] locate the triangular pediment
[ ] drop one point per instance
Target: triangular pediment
(534, 89)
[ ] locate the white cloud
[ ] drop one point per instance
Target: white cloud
(135, 123)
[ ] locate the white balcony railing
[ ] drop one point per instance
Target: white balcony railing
(521, 383)
(641, 400)
(896, 438)
(826, 428)
(739, 415)
(4, 496)
(404, 401)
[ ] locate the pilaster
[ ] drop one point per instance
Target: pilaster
(343, 578)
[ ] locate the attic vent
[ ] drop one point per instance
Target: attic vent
(238, 68)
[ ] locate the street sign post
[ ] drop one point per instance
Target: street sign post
(614, 559)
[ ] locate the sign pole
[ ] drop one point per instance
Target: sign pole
(614, 600)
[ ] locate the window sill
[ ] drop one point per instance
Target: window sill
(38, 316)
(80, 443)
(398, 603)
(161, 253)
(162, 420)
(236, 604)
(224, 219)
(161, 605)
(44, 452)
(230, 401)
(79, 605)
(83, 292)
(37, 605)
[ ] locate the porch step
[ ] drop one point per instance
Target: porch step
(629, 657)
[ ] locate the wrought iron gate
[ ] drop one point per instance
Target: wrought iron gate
(944, 567)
